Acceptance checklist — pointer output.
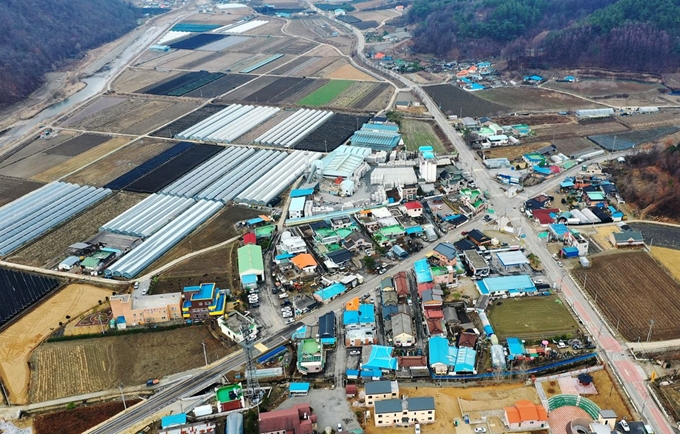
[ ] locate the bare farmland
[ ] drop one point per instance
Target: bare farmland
(14, 188)
(625, 280)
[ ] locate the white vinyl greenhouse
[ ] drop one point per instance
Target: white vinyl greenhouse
(148, 216)
(229, 124)
(295, 128)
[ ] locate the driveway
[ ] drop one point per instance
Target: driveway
(330, 406)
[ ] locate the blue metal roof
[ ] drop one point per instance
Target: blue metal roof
(515, 348)
(273, 353)
(559, 229)
(422, 269)
(380, 127)
(414, 230)
(255, 221)
(284, 256)
(301, 192)
(381, 358)
(441, 352)
(542, 170)
(465, 362)
(448, 250)
(174, 420)
(330, 291)
(299, 387)
(365, 315)
(249, 279)
(492, 285)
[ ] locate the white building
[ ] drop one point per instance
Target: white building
(428, 169)
(297, 208)
(291, 243)
(231, 323)
(406, 412)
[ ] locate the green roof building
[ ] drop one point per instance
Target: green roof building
(250, 263)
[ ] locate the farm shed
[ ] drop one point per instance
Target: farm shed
(295, 128)
(68, 263)
(626, 239)
(506, 285)
(345, 161)
(250, 261)
(325, 295)
(515, 348)
(157, 244)
(278, 178)
(512, 259)
(377, 137)
(37, 212)
(148, 216)
(595, 113)
(228, 124)
(390, 177)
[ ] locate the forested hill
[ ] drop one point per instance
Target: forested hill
(635, 35)
(39, 36)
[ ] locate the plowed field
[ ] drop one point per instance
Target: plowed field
(631, 290)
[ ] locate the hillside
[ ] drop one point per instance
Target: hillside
(649, 182)
(38, 36)
(634, 35)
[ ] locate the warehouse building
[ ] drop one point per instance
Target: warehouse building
(250, 265)
(506, 285)
(149, 309)
(391, 177)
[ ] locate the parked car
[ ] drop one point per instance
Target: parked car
(290, 321)
(339, 427)
(559, 263)
(136, 285)
(561, 344)
(624, 425)
(417, 427)
(354, 353)
(480, 430)
(539, 281)
(464, 233)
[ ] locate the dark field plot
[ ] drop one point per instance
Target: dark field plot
(163, 175)
(220, 86)
(191, 119)
(292, 90)
(269, 92)
(14, 188)
(334, 133)
(183, 84)
(18, 291)
(149, 165)
(629, 139)
(349, 19)
(77, 145)
(456, 101)
(283, 70)
(659, 235)
(193, 42)
(363, 25)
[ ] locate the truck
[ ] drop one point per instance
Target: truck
(152, 382)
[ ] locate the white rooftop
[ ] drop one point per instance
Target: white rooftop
(156, 301)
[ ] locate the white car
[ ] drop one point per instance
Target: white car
(538, 281)
(559, 263)
(136, 285)
(624, 425)
(480, 430)
(290, 321)
(339, 427)
(417, 428)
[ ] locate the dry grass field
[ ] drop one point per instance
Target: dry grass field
(78, 162)
(669, 258)
(349, 72)
(33, 156)
(50, 249)
(13, 188)
(60, 369)
(513, 152)
(531, 98)
(602, 236)
(18, 340)
(111, 167)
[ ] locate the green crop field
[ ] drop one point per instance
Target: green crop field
(326, 93)
(419, 133)
(536, 317)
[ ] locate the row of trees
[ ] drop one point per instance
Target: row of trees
(41, 36)
(635, 35)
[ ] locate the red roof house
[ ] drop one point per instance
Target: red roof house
(296, 420)
(526, 414)
(249, 238)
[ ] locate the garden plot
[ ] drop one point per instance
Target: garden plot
(274, 89)
(330, 69)
(103, 103)
(312, 70)
(62, 369)
(375, 100)
(327, 93)
(196, 41)
(579, 129)
(291, 68)
(77, 162)
(299, 91)
(420, 133)
(335, 132)
(120, 162)
(532, 318)
(225, 62)
(182, 84)
(264, 69)
(630, 139)
(623, 280)
(243, 92)
(21, 338)
(29, 148)
(647, 120)
(159, 62)
(349, 72)
(353, 94)
(189, 61)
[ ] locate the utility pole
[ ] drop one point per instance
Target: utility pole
(122, 396)
(649, 334)
(205, 355)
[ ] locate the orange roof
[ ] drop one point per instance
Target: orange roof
(524, 411)
(265, 217)
(462, 73)
(304, 260)
(473, 68)
(353, 304)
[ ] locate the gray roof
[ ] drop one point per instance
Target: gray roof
(388, 405)
(622, 237)
(420, 404)
(450, 314)
(608, 414)
(448, 250)
(401, 323)
(378, 387)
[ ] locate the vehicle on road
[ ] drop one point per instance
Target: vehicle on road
(144, 291)
(152, 382)
(559, 263)
(480, 430)
(136, 285)
(339, 427)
